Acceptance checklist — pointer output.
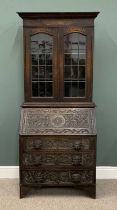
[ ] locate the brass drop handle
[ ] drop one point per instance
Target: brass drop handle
(76, 177)
(76, 160)
(39, 178)
(37, 160)
(37, 144)
(32, 160)
(77, 145)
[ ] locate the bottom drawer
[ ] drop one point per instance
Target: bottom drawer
(57, 177)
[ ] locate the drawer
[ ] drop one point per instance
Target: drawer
(57, 177)
(75, 143)
(78, 159)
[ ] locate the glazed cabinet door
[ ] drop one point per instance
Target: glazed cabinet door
(40, 64)
(76, 64)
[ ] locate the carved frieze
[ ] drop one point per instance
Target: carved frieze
(54, 121)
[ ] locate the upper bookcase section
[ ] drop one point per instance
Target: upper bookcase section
(58, 52)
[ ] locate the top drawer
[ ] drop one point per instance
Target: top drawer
(82, 143)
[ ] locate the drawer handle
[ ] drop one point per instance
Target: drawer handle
(37, 144)
(35, 160)
(76, 177)
(76, 160)
(77, 146)
(32, 160)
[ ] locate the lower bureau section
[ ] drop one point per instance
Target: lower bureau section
(81, 180)
(56, 177)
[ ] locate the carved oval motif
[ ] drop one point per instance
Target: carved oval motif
(57, 121)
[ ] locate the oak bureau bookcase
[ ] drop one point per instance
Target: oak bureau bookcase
(57, 126)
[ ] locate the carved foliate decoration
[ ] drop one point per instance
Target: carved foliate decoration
(82, 144)
(75, 29)
(57, 177)
(57, 121)
(33, 144)
(81, 159)
(49, 144)
(54, 121)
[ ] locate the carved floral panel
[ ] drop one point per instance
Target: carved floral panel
(75, 144)
(81, 159)
(57, 177)
(54, 121)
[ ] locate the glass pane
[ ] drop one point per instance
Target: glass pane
(74, 89)
(68, 86)
(41, 72)
(81, 72)
(42, 89)
(48, 59)
(48, 72)
(74, 72)
(67, 59)
(48, 89)
(82, 57)
(48, 47)
(34, 72)
(74, 58)
(74, 64)
(41, 43)
(42, 59)
(35, 89)
(67, 75)
(74, 40)
(67, 43)
(34, 59)
(81, 89)
(82, 42)
(42, 53)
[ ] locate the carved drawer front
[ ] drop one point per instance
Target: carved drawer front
(66, 143)
(51, 177)
(78, 159)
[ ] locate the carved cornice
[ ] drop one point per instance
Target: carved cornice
(65, 15)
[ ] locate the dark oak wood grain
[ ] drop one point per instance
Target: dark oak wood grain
(59, 159)
(48, 15)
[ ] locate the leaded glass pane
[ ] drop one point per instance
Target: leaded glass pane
(34, 73)
(48, 89)
(74, 65)
(67, 89)
(67, 75)
(35, 89)
(42, 65)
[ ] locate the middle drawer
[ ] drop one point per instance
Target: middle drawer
(75, 159)
(74, 143)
